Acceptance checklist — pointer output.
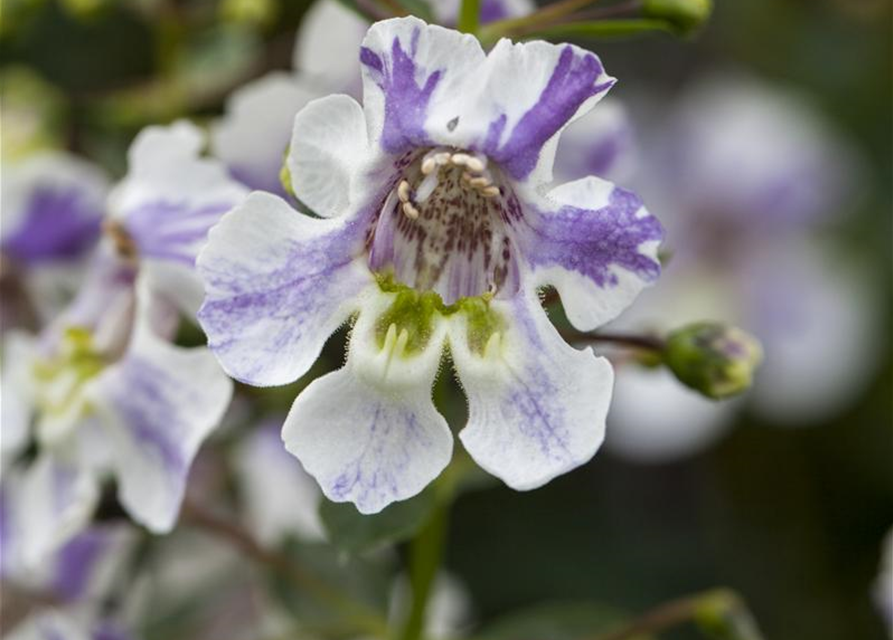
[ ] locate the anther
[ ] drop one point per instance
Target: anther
(480, 182)
(403, 191)
(491, 191)
(460, 159)
(429, 165)
(475, 164)
(410, 211)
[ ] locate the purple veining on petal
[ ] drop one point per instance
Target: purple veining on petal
(292, 293)
(108, 630)
(57, 225)
(75, 564)
(144, 401)
(406, 102)
(173, 230)
(492, 10)
(573, 81)
(591, 242)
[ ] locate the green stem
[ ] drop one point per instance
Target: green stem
(547, 15)
(425, 555)
(469, 16)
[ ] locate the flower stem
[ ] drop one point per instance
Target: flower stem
(469, 16)
(364, 617)
(637, 341)
(546, 15)
(720, 612)
(425, 555)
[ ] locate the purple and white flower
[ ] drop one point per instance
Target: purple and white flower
(53, 205)
(436, 228)
(103, 386)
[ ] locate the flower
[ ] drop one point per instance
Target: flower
(747, 176)
(436, 229)
(103, 384)
(53, 204)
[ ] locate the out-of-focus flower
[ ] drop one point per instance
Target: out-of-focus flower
(80, 581)
(52, 205)
(31, 111)
(436, 228)
(104, 386)
(273, 516)
(748, 174)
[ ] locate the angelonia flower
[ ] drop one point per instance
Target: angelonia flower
(52, 207)
(80, 579)
(103, 385)
(436, 229)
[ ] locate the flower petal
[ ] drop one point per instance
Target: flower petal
(253, 135)
(537, 406)
(414, 80)
(597, 246)
(278, 285)
(54, 501)
(328, 46)
(51, 624)
(16, 400)
(369, 432)
(172, 196)
(52, 207)
(159, 402)
(279, 497)
(328, 147)
(600, 143)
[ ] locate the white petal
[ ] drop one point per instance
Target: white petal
(253, 135)
(328, 149)
(55, 501)
(596, 244)
(159, 403)
(328, 45)
(280, 498)
(600, 143)
(171, 196)
(278, 284)
(16, 403)
(537, 406)
(51, 624)
(369, 432)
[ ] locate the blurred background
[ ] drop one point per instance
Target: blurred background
(785, 495)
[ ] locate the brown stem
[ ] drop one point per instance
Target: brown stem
(636, 341)
(283, 564)
(676, 612)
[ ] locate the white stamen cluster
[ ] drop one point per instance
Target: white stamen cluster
(474, 175)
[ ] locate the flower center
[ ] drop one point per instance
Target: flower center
(446, 227)
(121, 239)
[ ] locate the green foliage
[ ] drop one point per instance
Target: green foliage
(353, 532)
(556, 621)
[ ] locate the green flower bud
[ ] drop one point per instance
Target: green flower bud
(684, 15)
(714, 359)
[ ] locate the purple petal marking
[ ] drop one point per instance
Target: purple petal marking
(173, 230)
(590, 242)
(406, 102)
(144, 402)
(57, 225)
(293, 294)
(491, 11)
(108, 630)
(573, 81)
(75, 564)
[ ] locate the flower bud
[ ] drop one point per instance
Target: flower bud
(252, 13)
(684, 15)
(715, 359)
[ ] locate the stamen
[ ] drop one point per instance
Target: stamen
(460, 159)
(480, 182)
(476, 163)
(410, 211)
(403, 191)
(491, 191)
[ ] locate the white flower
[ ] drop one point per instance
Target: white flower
(437, 228)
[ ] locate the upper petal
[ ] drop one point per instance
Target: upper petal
(369, 432)
(278, 284)
(159, 402)
(595, 243)
(537, 406)
(414, 77)
(253, 135)
(171, 196)
(328, 149)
